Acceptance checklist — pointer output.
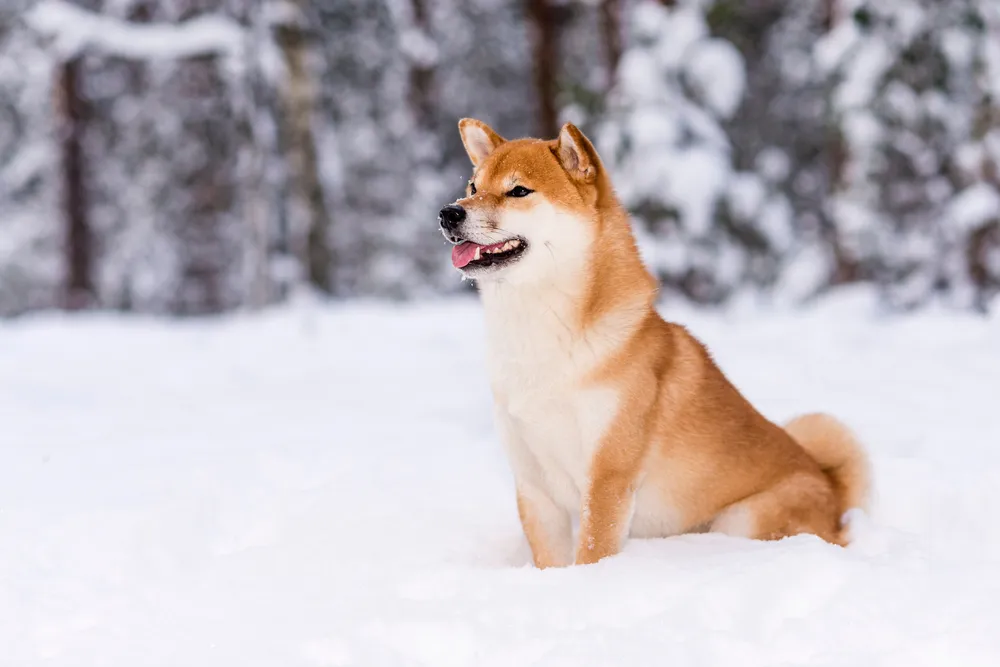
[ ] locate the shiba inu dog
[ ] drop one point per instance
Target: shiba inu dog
(609, 414)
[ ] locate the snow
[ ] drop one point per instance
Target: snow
(746, 195)
(697, 177)
(685, 25)
(991, 55)
(864, 71)
(323, 486)
(715, 71)
(773, 164)
(775, 222)
(654, 128)
(832, 50)
(419, 47)
(679, 156)
(958, 46)
(806, 273)
(74, 29)
(974, 207)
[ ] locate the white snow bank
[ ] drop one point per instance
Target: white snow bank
(74, 29)
(326, 488)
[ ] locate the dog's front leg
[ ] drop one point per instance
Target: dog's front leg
(606, 512)
(606, 516)
(547, 527)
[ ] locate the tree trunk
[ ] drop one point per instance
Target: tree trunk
(831, 14)
(846, 268)
(79, 288)
(255, 186)
(309, 204)
(611, 29)
(422, 73)
(545, 35)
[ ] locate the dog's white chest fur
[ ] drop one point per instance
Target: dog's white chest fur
(551, 422)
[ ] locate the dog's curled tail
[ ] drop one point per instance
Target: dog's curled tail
(839, 455)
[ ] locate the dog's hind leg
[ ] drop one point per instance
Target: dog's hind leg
(800, 503)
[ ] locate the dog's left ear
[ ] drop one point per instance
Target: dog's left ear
(576, 154)
(479, 139)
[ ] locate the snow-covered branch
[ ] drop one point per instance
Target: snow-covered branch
(73, 30)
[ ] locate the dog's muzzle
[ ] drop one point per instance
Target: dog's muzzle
(450, 218)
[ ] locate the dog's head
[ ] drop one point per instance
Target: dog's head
(530, 207)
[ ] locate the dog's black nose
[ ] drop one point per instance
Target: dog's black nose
(451, 216)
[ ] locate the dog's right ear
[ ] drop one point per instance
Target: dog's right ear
(576, 154)
(479, 138)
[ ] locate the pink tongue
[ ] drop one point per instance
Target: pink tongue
(463, 253)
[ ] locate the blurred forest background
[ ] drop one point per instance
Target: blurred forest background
(198, 156)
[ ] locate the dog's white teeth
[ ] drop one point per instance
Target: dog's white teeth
(497, 249)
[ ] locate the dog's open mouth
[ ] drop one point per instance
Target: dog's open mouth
(467, 255)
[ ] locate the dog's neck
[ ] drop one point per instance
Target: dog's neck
(607, 292)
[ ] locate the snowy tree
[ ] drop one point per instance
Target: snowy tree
(195, 156)
(781, 130)
(162, 116)
(398, 75)
(31, 240)
(916, 100)
(307, 206)
(706, 227)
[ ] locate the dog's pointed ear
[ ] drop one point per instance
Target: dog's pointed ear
(576, 154)
(479, 138)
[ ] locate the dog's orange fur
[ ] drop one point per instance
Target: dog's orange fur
(681, 433)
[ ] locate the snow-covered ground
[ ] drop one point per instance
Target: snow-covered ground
(323, 486)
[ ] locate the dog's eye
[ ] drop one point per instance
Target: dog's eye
(472, 188)
(519, 191)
